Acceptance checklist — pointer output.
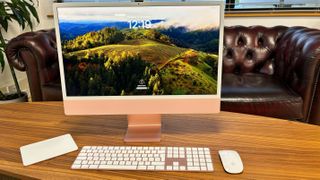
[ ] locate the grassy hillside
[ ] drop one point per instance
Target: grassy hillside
(189, 73)
(149, 50)
(108, 36)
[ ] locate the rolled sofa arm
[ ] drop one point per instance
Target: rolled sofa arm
(35, 53)
(297, 63)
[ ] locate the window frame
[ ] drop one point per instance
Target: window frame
(230, 11)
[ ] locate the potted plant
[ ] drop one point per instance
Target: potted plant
(23, 12)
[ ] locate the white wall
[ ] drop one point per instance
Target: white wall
(312, 22)
(45, 8)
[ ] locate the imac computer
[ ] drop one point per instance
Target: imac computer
(141, 60)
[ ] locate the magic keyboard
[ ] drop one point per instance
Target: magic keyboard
(144, 158)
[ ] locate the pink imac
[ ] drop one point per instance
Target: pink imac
(140, 60)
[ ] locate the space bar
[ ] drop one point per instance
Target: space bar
(117, 167)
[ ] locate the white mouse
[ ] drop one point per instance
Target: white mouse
(231, 161)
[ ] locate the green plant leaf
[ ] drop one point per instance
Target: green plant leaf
(2, 9)
(4, 23)
(17, 14)
(33, 11)
(3, 17)
(21, 5)
(2, 62)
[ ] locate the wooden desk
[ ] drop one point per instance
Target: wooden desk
(270, 148)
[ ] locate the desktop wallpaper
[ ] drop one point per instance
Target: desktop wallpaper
(164, 50)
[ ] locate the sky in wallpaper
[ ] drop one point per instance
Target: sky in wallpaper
(191, 17)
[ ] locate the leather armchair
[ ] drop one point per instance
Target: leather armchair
(266, 71)
(272, 72)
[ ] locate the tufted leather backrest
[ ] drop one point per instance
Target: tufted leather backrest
(250, 49)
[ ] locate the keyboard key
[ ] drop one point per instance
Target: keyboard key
(76, 166)
(86, 147)
(82, 154)
(90, 162)
(142, 167)
(77, 162)
(93, 166)
(85, 166)
(159, 167)
(84, 162)
(195, 168)
(161, 163)
(209, 166)
(203, 168)
(117, 167)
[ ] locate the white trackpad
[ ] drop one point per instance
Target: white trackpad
(47, 149)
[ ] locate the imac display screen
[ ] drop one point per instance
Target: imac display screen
(143, 50)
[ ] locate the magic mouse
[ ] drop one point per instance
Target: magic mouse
(231, 161)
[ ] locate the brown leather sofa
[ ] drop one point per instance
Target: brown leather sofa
(266, 71)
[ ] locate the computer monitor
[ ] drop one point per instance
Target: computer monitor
(141, 60)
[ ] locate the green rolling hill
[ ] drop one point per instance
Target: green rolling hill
(182, 75)
(151, 51)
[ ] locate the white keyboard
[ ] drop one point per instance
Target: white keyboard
(144, 158)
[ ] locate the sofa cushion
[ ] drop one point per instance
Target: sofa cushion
(259, 94)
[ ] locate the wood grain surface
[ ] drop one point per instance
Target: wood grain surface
(270, 148)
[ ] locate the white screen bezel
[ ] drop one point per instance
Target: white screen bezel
(138, 4)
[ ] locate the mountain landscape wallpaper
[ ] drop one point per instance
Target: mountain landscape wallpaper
(122, 51)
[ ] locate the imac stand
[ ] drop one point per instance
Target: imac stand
(143, 128)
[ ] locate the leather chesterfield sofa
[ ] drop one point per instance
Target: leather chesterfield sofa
(266, 71)
(272, 72)
(36, 53)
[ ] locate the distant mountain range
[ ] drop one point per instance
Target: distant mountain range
(201, 40)
(70, 30)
